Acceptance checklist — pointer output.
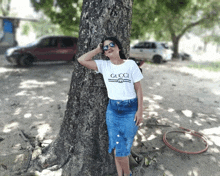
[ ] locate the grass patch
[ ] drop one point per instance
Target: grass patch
(210, 66)
(148, 62)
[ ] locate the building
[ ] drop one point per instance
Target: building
(8, 27)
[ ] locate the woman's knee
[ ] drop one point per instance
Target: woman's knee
(121, 159)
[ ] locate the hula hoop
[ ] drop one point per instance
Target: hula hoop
(191, 132)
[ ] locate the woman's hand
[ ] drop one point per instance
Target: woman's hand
(138, 117)
(99, 47)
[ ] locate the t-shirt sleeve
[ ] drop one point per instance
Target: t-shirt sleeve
(136, 72)
(99, 64)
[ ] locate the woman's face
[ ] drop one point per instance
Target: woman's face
(113, 51)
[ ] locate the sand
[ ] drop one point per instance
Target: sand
(33, 102)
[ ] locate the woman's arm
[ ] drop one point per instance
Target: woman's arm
(86, 59)
(139, 113)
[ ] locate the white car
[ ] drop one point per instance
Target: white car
(156, 52)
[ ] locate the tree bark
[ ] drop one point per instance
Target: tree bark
(175, 41)
(217, 47)
(176, 38)
(205, 46)
(81, 147)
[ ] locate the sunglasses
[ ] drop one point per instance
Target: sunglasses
(112, 45)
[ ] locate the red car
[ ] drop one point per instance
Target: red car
(47, 48)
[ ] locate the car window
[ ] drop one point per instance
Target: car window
(153, 46)
(147, 45)
(139, 45)
(67, 42)
(165, 45)
(53, 42)
(75, 40)
(49, 42)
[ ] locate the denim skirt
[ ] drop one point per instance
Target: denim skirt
(121, 126)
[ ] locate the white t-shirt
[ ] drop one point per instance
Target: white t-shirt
(120, 79)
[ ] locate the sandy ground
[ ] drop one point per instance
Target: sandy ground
(33, 102)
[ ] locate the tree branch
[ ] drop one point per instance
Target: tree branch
(190, 26)
(3, 11)
(8, 6)
(208, 17)
(172, 32)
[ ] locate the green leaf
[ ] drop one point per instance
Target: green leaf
(169, 20)
(66, 13)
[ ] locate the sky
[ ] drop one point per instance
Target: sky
(22, 8)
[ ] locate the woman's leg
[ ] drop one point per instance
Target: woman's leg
(118, 166)
(124, 164)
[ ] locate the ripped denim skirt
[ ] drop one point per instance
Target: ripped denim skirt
(121, 126)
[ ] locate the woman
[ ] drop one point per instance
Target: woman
(125, 108)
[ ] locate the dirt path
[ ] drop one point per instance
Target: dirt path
(178, 96)
(33, 102)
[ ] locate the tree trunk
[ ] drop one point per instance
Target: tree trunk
(205, 46)
(217, 47)
(81, 147)
(175, 41)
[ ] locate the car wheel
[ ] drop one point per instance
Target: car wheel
(18, 62)
(157, 59)
(26, 60)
